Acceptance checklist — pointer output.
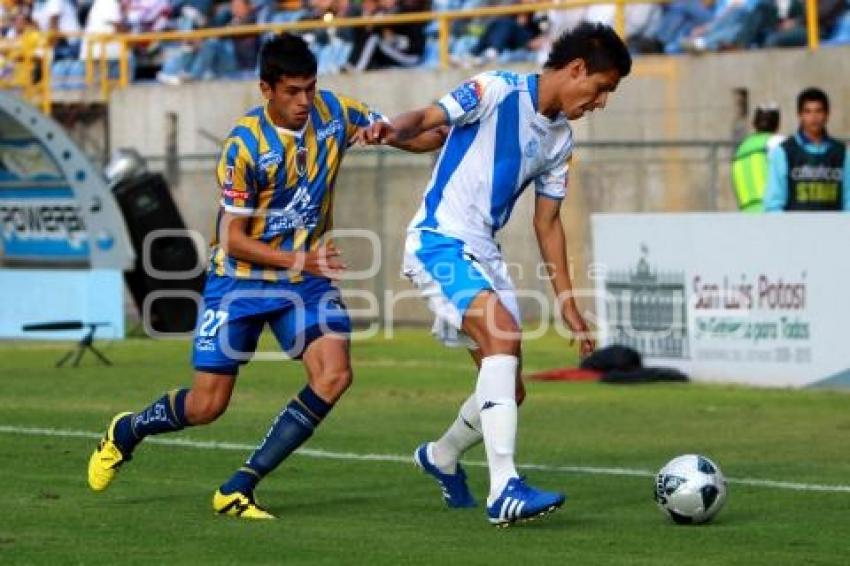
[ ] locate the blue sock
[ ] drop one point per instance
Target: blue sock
(292, 427)
(166, 414)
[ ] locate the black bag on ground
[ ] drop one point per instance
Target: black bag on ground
(643, 375)
(613, 357)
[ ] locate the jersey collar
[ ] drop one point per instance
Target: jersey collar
(285, 131)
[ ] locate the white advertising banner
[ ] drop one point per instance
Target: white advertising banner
(739, 298)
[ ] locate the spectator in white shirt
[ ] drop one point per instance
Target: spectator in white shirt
(58, 16)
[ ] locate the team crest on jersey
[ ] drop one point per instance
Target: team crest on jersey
(228, 177)
(468, 95)
(532, 148)
(269, 159)
(301, 161)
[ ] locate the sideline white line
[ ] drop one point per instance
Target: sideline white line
(353, 456)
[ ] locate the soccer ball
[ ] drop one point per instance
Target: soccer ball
(690, 489)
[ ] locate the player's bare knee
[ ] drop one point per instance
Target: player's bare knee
(332, 383)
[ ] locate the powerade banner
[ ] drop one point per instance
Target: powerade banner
(760, 300)
(40, 220)
(63, 243)
(42, 227)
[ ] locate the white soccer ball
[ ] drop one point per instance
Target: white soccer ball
(690, 489)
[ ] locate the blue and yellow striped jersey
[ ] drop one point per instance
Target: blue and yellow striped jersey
(284, 180)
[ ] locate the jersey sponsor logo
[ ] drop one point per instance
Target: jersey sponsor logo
(300, 212)
(228, 177)
(236, 194)
(330, 129)
(468, 95)
(817, 173)
(301, 161)
(269, 159)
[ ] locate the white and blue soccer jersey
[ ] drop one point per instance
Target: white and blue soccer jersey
(498, 145)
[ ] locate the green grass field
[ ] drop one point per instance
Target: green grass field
(340, 511)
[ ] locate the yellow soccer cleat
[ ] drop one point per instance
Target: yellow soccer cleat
(106, 459)
(238, 504)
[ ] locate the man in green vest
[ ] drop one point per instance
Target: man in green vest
(749, 166)
(809, 171)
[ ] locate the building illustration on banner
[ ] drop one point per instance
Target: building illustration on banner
(647, 309)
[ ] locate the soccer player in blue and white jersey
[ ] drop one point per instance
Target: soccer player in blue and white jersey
(508, 131)
(270, 264)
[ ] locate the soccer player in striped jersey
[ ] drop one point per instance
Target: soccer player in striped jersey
(508, 131)
(270, 265)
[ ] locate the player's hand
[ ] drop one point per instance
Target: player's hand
(377, 133)
(574, 320)
(325, 262)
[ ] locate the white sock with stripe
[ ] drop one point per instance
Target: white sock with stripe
(462, 435)
(495, 393)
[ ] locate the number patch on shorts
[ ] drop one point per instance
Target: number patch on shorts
(211, 322)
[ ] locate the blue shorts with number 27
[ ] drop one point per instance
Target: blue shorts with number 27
(235, 311)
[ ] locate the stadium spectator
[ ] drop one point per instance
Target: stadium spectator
(736, 24)
(642, 22)
(749, 166)
(148, 15)
(192, 14)
(464, 32)
(331, 46)
(810, 170)
(58, 16)
(678, 21)
(638, 17)
(105, 16)
(841, 33)
(791, 30)
(397, 45)
(25, 33)
(5, 16)
(509, 34)
(220, 56)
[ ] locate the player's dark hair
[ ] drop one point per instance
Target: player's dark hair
(812, 94)
(599, 46)
(286, 55)
(766, 120)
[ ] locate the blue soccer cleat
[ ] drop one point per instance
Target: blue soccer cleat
(455, 491)
(521, 502)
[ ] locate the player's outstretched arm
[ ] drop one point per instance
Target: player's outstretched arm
(233, 235)
(429, 140)
(406, 127)
(553, 248)
(423, 143)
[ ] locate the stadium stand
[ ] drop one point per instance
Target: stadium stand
(97, 43)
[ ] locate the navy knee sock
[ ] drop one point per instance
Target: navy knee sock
(292, 427)
(166, 414)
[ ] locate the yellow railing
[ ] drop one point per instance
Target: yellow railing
(39, 91)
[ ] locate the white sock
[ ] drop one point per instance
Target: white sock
(495, 393)
(462, 435)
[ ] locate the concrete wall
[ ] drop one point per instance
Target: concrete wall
(666, 98)
(681, 98)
